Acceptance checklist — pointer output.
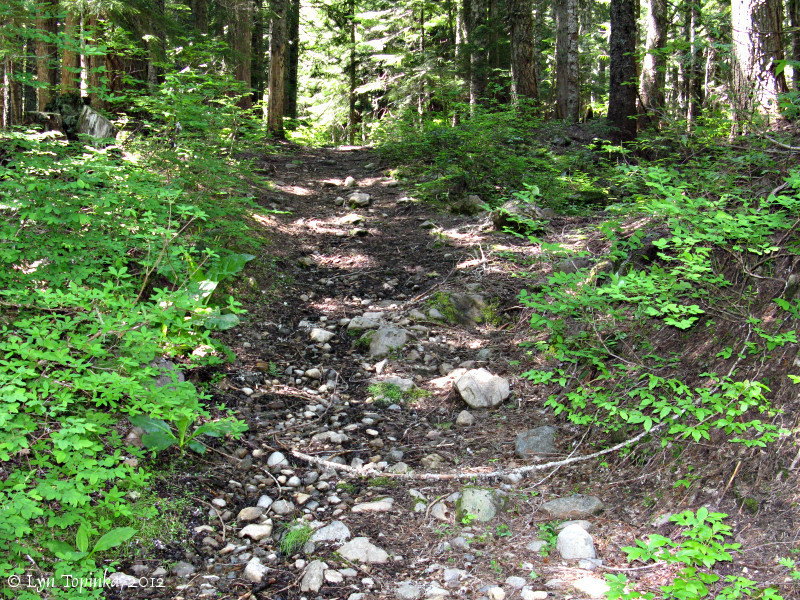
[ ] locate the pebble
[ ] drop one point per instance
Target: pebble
(257, 532)
(465, 419)
(362, 550)
(251, 513)
(183, 569)
(254, 571)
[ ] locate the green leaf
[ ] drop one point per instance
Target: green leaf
(159, 440)
(222, 322)
(114, 538)
(149, 425)
(82, 538)
(198, 447)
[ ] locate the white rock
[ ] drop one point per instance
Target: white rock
(362, 550)
(496, 593)
(320, 335)
(533, 595)
(251, 513)
(257, 531)
(314, 373)
(264, 502)
(276, 459)
(591, 586)
(575, 542)
(481, 389)
(121, 580)
(465, 419)
(335, 532)
(313, 577)
(333, 576)
(349, 182)
(516, 582)
(381, 505)
(254, 571)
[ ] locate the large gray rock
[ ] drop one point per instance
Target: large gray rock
(387, 339)
(408, 591)
(574, 507)
(365, 321)
(359, 200)
(481, 503)
(313, 577)
(168, 375)
(520, 216)
(464, 309)
(470, 205)
(92, 123)
(533, 442)
(257, 531)
(481, 389)
(362, 550)
(335, 532)
(574, 542)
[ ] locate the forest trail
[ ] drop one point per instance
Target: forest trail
(310, 379)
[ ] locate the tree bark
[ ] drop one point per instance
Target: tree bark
(794, 21)
(655, 59)
(622, 77)
(46, 53)
(241, 27)
(199, 9)
(277, 51)
(292, 59)
(757, 48)
(479, 63)
(258, 77)
(351, 70)
(70, 64)
(694, 87)
(567, 83)
(523, 56)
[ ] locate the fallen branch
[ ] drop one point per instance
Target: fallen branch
(372, 472)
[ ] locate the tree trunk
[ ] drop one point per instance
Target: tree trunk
(567, 85)
(292, 59)
(199, 10)
(757, 48)
(241, 27)
(70, 64)
(351, 69)
(14, 93)
(523, 57)
(156, 46)
(794, 21)
(655, 59)
(277, 51)
(46, 53)
(96, 65)
(479, 63)
(258, 78)
(694, 89)
(622, 90)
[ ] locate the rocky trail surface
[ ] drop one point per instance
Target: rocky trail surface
(387, 418)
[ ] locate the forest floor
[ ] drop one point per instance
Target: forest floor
(326, 264)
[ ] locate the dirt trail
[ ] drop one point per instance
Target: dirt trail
(393, 260)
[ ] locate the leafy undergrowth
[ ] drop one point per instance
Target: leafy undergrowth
(113, 259)
(671, 318)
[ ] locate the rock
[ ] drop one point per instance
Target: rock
(453, 577)
(533, 442)
(536, 545)
(495, 593)
(277, 459)
(432, 461)
(387, 339)
(519, 216)
(572, 265)
(254, 571)
(369, 320)
(359, 200)
(482, 504)
(480, 389)
(589, 564)
(362, 550)
(169, 374)
(183, 569)
(575, 542)
(382, 505)
(251, 513)
(320, 335)
(465, 419)
(400, 468)
(121, 580)
(92, 123)
(408, 591)
(573, 507)
(404, 384)
(533, 595)
(471, 205)
(282, 507)
(313, 577)
(516, 582)
(349, 182)
(335, 532)
(583, 524)
(314, 373)
(333, 576)
(257, 531)
(427, 224)
(160, 572)
(264, 502)
(591, 586)
(434, 592)
(464, 309)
